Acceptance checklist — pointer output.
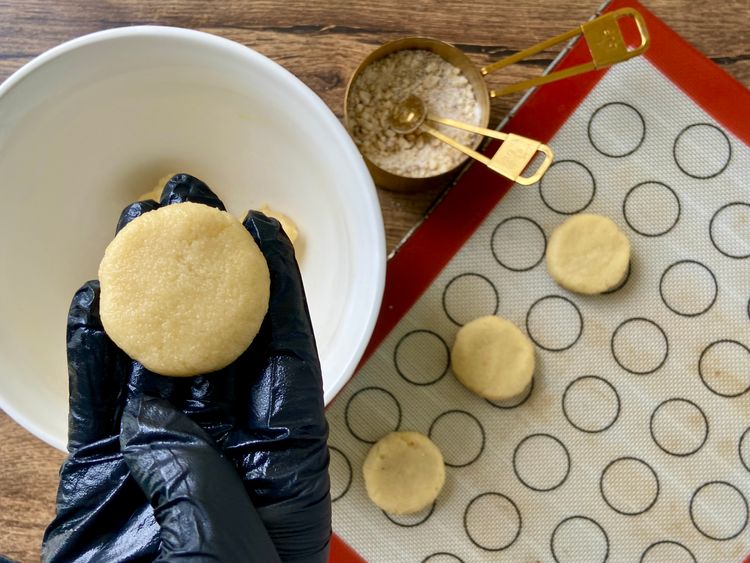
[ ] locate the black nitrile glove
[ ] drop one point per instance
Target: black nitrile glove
(199, 500)
(102, 515)
(192, 445)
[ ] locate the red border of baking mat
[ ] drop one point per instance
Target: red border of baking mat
(424, 255)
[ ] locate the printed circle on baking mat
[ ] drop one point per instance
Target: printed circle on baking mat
(579, 539)
(568, 187)
(469, 296)
(679, 427)
(514, 402)
(340, 470)
(719, 510)
(729, 230)
(667, 551)
(629, 486)
(459, 436)
(591, 404)
(554, 323)
(639, 346)
(371, 413)
(518, 244)
(442, 557)
(421, 357)
(616, 129)
(724, 367)
(688, 288)
(411, 520)
(541, 462)
(492, 521)
(651, 208)
(744, 449)
(702, 151)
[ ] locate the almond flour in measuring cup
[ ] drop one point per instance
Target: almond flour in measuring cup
(445, 91)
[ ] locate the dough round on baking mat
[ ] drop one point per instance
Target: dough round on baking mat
(184, 289)
(588, 254)
(493, 358)
(404, 472)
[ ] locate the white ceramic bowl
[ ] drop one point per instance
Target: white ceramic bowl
(89, 125)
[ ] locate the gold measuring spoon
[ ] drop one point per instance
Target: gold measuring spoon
(603, 36)
(510, 160)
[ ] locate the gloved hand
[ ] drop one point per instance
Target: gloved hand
(234, 462)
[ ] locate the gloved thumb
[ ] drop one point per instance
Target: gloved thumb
(198, 498)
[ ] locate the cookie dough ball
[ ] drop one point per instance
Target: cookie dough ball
(184, 289)
(155, 192)
(588, 254)
(404, 472)
(493, 358)
(289, 226)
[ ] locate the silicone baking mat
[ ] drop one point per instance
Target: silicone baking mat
(634, 442)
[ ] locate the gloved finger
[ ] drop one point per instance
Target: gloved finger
(209, 400)
(96, 381)
(198, 499)
(141, 381)
(206, 399)
(133, 211)
(102, 514)
(280, 444)
(287, 328)
(184, 187)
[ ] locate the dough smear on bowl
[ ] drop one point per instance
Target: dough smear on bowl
(588, 254)
(184, 289)
(493, 358)
(404, 472)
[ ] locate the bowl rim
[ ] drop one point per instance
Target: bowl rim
(349, 153)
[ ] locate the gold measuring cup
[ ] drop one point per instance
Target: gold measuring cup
(603, 37)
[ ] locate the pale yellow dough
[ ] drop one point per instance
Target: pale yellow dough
(588, 254)
(289, 226)
(404, 472)
(184, 289)
(155, 192)
(493, 358)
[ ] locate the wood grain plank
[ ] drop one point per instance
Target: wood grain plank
(28, 485)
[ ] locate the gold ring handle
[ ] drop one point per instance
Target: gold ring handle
(510, 160)
(604, 39)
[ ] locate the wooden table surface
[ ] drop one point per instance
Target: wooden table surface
(322, 44)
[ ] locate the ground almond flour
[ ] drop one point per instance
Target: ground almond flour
(445, 91)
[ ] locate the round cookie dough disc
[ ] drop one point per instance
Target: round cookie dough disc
(588, 254)
(184, 289)
(404, 472)
(493, 358)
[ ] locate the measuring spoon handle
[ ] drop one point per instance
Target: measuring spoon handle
(603, 37)
(510, 160)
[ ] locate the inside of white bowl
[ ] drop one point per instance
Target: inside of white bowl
(88, 127)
